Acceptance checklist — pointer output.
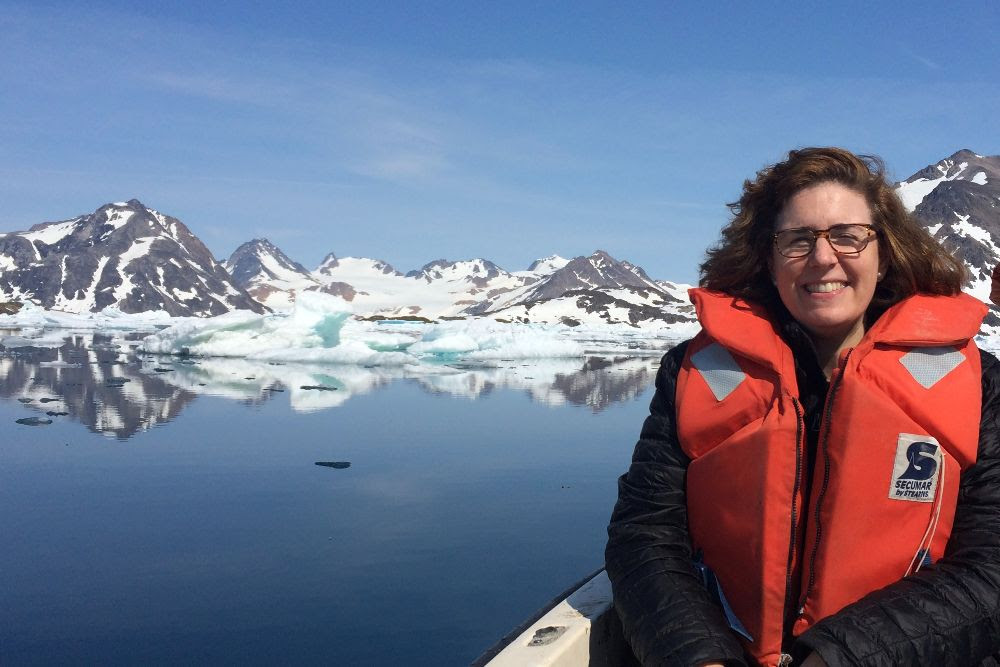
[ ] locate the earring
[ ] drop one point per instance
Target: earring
(878, 276)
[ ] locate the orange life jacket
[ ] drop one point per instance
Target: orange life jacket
(901, 421)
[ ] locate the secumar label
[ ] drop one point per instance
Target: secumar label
(915, 471)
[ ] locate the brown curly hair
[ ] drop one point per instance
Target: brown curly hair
(740, 263)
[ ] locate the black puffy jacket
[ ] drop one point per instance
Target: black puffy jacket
(945, 615)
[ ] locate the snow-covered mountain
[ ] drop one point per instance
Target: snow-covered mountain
(137, 259)
(272, 278)
(594, 289)
(958, 200)
(123, 255)
(597, 289)
(473, 279)
(438, 289)
(331, 263)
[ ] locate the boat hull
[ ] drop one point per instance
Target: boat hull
(580, 627)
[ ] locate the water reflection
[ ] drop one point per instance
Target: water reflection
(100, 381)
(94, 380)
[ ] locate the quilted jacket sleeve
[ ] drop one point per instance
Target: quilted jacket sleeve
(948, 614)
(667, 616)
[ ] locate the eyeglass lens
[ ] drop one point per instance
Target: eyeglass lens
(845, 239)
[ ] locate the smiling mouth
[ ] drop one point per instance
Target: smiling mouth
(831, 286)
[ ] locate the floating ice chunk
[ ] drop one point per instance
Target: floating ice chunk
(480, 340)
(31, 315)
(32, 337)
(113, 318)
(385, 342)
(314, 322)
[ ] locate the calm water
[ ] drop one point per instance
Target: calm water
(177, 514)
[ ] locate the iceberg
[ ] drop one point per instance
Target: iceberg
(487, 340)
(314, 322)
(319, 329)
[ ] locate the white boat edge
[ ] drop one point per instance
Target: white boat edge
(581, 628)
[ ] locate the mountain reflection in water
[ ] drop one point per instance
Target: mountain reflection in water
(100, 381)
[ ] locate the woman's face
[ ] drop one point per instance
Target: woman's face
(826, 292)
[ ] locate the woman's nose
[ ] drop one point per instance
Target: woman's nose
(823, 252)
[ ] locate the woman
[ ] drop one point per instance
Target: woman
(818, 481)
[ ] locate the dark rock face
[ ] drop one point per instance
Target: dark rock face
(963, 213)
(124, 255)
(343, 290)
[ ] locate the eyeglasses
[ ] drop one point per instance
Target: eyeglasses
(844, 239)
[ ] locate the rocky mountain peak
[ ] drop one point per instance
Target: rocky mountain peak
(958, 201)
(259, 259)
(963, 165)
(122, 254)
(597, 271)
(329, 262)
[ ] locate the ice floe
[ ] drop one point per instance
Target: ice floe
(111, 317)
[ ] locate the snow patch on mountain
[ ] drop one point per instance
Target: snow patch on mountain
(546, 265)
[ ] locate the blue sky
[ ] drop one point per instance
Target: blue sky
(505, 130)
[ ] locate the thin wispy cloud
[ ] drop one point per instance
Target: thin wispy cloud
(403, 167)
(217, 87)
(923, 60)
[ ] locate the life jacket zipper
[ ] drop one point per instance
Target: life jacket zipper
(823, 441)
(799, 431)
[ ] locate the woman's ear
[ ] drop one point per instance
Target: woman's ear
(883, 262)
